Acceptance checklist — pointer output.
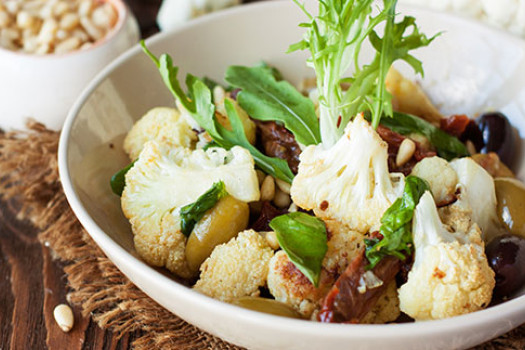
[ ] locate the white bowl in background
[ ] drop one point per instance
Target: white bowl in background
(44, 87)
(469, 69)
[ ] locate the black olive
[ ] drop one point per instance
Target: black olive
(506, 256)
(498, 136)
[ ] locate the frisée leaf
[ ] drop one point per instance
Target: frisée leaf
(334, 38)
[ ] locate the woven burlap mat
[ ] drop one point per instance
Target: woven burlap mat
(28, 164)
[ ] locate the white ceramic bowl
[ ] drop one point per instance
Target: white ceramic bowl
(469, 69)
(45, 87)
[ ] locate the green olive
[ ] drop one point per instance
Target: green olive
(221, 223)
(511, 204)
(269, 306)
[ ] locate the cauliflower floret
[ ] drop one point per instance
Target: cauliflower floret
(164, 179)
(440, 176)
(237, 268)
(477, 194)
(161, 124)
(450, 275)
(350, 181)
(386, 308)
(288, 285)
(343, 244)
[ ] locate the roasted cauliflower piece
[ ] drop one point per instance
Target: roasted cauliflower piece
(163, 125)
(477, 194)
(288, 285)
(237, 268)
(343, 246)
(348, 182)
(450, 275)
(165, 178)
(386, 308)
(440, 176)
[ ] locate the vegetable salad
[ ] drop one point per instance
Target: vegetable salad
(350, 199)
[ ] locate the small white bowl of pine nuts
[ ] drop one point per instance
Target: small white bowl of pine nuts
(51, 49)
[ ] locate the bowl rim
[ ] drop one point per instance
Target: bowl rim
(123, 13)
(503, 310)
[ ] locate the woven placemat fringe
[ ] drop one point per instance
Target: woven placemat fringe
(28, 160)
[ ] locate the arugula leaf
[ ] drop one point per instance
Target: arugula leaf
(396, 224)
(265, 98)
(192, 213)
(447, 146)
(334, 37)
(273, 71)
(202, 109)
(118, 181)
(303, 238)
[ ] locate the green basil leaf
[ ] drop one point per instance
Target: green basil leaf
(265, 98)
(192, 213)
(202, 110)
(447, 146)
(303, 238)
(118, 181)
(396, 224)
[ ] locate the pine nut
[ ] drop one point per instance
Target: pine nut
(85, 7)
(90, 28)
(64, 317)
(69, 21)
(60, 9)
(10, 34)
(271, 239)
(43, 49)
(12, 6)
(104, 16)
(281, 199)
(260, 176)
(77, 33)
(405, 152)
(268, 189)
(471, 148)
(283, 185)
(30, 45)
(48, 31)
(68, 45)
(24, 20)
(5, 20)
(86, 46)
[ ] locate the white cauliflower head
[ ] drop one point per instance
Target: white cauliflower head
(440, 176)
(288, 285)
(163, 125)
(164, 179)
(237, 268)
(350, 181)
(450, 275)
(477, 194)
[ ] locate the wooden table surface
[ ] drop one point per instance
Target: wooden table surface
(32, 284)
